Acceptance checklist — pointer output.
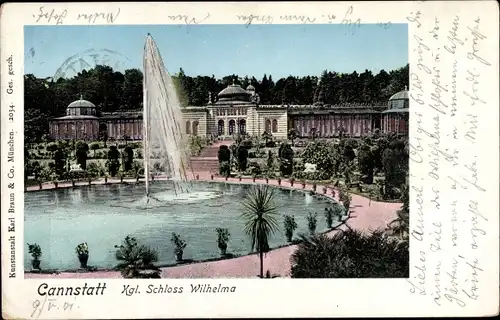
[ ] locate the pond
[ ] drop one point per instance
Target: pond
(103, 215)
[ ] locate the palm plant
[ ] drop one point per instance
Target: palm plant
(290, 226)
(332, 212)
(222, 239)
(260, 211)
(136, 259)
(312, 221)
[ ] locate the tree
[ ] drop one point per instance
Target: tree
(351, 254)
(267, 136)
(51, 147)
(132, 89)
(286, 154)
(395, 162)
(242, 158)
(259, 212)
(81, 152)
(128, 158)
(292, 135)
(94, 146)
(59, 161)
(322, 154)
(365, 163)
(224, 156)
(113, 162)
(270, 161)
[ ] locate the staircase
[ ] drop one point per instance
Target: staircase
(207, 161)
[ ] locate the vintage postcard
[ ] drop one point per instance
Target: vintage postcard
(164, 159)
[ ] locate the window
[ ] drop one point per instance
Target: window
(268, 126)
(220, 127)
(275, 126)
(231, 127)
(195, 128)
(188, 127)
(243, 126)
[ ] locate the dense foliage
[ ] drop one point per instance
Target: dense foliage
(351, 254)
(113, 91)
(322, 154)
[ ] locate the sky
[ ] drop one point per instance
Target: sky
(221, 50)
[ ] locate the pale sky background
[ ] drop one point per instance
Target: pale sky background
(221, 50)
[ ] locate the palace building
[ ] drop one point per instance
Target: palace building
(238, 111)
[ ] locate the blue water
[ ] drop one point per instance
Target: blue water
(103, 215)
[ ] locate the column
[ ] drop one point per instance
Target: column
(226, 125)
(333, 124)
(357, 125)
(351, 125)
(298, 125)
(109, 125)
(330, 125)
(361, 125)
(323, 126)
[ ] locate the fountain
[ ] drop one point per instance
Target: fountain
(164, 141)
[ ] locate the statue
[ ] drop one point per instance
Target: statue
(75, 167)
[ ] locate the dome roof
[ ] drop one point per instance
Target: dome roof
(400, 95)
(81, 104)
(399, 100)
(250, 88)
(232, 90)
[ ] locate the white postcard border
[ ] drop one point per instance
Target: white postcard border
(312, 297)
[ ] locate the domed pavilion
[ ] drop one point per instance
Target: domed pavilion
(396, 118)
(79, 123)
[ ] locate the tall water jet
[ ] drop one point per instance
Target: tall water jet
(164, 142)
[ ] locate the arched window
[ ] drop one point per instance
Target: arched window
(275, 126)
(231, 127)
(188, 127)
(195, 128)
(220, 128)
(243, 126)
(268, 126)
